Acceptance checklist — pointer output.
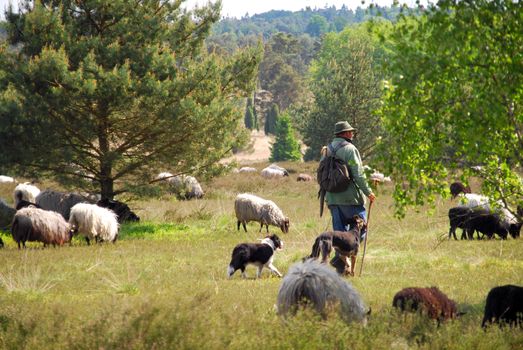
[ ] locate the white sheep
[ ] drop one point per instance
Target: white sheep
(249, 207)
(35, 224)
(186, 187)
(95, 222)
(25, 191)
(247, 169)
(164, 176)
(6, 179)
(273, 173)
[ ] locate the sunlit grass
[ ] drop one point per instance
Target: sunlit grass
(163, 285)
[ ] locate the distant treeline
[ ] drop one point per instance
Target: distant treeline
(231, 33)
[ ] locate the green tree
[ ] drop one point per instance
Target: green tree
(249, 115)
(317, 26)
(271, 119)
(285, 146)
(454, 101)
(345, 84)
(109, 91)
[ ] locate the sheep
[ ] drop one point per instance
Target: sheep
(186, 187)
(459, 217)
(59, 202)
(430, 301)
(486, 222)
(273, 173)
(95, 222)
(6, 179)
(313, 285)
(504, 305)
(25, 191)
(247, 169)
(6, 215)
(304, 177)
(249, 207)
(35, 224)
(467, 198)
(122, 210)
(164, 176)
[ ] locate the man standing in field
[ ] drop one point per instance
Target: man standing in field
(344, 205)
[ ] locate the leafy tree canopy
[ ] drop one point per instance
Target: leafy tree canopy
(112, 92)
(345, 84)
(454, 100)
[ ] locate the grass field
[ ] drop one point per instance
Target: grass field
(163, 285)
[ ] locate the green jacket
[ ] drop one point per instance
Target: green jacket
(358, 188)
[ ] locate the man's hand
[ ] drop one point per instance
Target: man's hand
(372, 197)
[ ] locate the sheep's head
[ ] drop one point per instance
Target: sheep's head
(285, 225)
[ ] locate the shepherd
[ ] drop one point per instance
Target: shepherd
(346, 203)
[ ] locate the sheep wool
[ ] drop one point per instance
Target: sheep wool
(34, 224)
(25, 191)
(95, 222)
(249, 207)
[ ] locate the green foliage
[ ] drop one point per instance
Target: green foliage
(285, 146)
(345, 84)
(454, 100)
(284, 66)
(317, 26)
(108, 91)
(271, 119)
(249, 115)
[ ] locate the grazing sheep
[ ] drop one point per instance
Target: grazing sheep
(95, 222)
(122, 210)
(25, 191)
(489, 223)
(431, 301)
(6, 215)
(304, 177)
(186, 187)
(313, 285)
(34, 224)
(6, 179)
(273, 173)
(504, 305)
(247, 169)
(249, 207)
(459, 217)
(59, 202)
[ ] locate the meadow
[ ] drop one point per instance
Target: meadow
(163, 285)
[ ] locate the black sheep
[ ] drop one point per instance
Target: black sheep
(504, 305)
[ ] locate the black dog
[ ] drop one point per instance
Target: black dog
(259, 254)
(346, 245)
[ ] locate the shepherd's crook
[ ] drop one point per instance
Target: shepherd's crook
(366, 235)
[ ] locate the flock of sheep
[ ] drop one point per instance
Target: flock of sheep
(53, 218)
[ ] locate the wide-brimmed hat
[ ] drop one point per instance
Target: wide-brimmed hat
(342, 126)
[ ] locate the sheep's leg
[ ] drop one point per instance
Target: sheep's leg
(238, 224)
(261, 226)
(19, 245)
(244, 226)
(87, 240)
(244, 275)
(274, 270)
(452, 232)
(267, 227)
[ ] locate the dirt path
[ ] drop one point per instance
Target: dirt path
(260, 151)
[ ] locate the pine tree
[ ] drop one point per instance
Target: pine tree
(285, 147)
(107, 91)
(271, 119)
(249, 116)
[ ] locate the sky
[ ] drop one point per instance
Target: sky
(238, 8)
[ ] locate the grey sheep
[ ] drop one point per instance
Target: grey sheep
(38, 225)
(6, 215)
(311, 284)
(249, 207)
(59, 202)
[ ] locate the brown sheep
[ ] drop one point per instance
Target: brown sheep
(304, 177)
(430, 301)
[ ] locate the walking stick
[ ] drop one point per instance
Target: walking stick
(365, 243)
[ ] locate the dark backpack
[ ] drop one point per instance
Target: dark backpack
(332, 174)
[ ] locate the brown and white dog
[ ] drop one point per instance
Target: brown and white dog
(259, 254)
(345, 243)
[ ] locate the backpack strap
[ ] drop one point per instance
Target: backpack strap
(340, 145)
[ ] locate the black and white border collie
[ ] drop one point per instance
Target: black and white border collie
(259, 254)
